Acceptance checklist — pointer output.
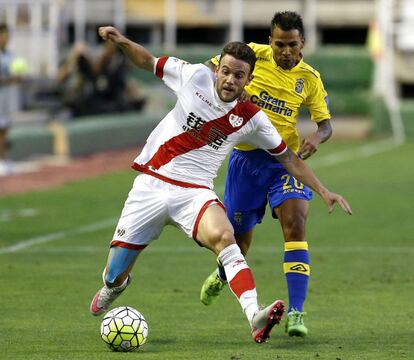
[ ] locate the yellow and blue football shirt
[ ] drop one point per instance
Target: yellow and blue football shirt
(280, 93)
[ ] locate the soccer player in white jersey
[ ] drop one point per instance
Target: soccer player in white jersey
(179, 162)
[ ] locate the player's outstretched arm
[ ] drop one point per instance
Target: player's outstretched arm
(301, 171)
(140, 56)
(310, 144)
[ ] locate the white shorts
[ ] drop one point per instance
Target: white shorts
(153, 204)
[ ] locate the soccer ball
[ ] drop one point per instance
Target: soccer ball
(19, 67)
(124, 329)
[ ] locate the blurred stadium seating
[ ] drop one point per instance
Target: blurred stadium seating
(336, 35)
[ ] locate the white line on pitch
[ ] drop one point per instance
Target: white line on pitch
(333, 159)
(57, 235)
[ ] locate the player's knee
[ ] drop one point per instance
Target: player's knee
(294, 228)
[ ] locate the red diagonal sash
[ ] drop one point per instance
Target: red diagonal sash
(186, 142)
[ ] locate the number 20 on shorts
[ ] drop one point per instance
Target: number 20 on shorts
(288, 184)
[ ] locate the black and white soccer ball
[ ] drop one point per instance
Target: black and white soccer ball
(124, 329)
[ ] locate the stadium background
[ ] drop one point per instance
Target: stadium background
(348, 42)
(53, 242)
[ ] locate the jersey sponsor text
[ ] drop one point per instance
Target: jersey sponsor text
(214, 138)
(266, 101)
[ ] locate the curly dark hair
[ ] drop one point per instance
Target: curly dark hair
(288, 20)
(240, 51)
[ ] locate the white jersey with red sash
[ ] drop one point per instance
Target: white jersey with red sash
(190, 143)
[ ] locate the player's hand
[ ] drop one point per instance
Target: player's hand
(308, 147)
(332, 198)
(110, 33)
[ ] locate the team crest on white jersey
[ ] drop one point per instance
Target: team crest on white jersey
(235, 120)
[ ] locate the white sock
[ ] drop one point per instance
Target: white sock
(240, 279)
(250, 311)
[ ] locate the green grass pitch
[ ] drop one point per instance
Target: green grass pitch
(360, 301)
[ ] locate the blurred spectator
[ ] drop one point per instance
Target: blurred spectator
(9, 96)
(89, 85)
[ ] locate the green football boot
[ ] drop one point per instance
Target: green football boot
(295, 325)
(211, 288)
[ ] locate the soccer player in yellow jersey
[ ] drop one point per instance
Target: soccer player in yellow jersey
(282, 83)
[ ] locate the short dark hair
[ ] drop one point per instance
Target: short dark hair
(240, 51)
(287, 20)
(3, 27)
